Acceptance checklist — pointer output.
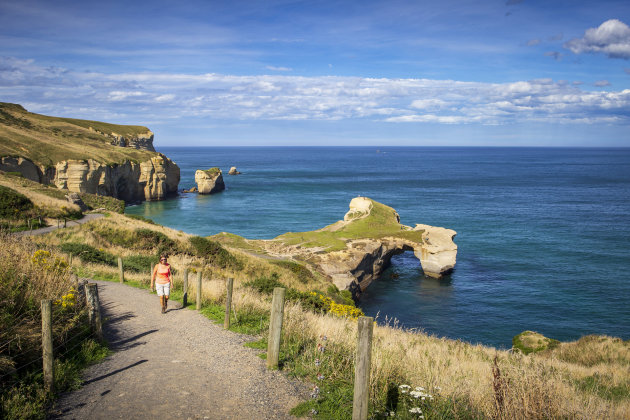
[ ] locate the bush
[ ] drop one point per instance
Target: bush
(139, 239)
(265, 285)
(214, 253)
(302, 273)
(138, 263)
(13, 204)
(88, 253)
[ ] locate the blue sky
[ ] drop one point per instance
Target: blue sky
(466, 73)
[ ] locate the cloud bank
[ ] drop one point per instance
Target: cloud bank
(137, 97)
(611, 38)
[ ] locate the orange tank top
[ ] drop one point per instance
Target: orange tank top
(162, 273)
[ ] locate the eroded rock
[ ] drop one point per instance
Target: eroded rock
(209, 181)
(353, 252)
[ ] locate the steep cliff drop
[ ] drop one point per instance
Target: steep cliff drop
(85, 156)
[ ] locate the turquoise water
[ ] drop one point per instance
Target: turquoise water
(542, 233)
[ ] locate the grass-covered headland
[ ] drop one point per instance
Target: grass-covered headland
(412, 375)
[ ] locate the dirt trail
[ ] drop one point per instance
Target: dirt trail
(86, 218)
(174, 365)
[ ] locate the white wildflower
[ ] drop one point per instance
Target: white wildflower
(416, 410)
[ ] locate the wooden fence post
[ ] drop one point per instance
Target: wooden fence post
(47, 345)
(228, 303)
(275, 327)
(94, 309)
(199, 289)
(121, 272)
(185, 297)
(362, 368)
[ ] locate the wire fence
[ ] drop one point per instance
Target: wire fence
(21, 355)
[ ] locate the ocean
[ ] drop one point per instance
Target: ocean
(542, 233)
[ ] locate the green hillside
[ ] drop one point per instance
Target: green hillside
(47, 140)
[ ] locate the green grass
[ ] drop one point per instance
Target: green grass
(13, 204)
(381, 222)
(596, 385)
(47, 140)
(212, 171)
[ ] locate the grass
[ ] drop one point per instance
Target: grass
(382, 221)
(587, 378)
(28, 275)
(47, 140)
(51, 201)
(531, 342)
(212, 172)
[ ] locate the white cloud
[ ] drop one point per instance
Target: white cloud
(611, 38)
(135, 97)
(274, 68)
(601, 83)
(533, 42)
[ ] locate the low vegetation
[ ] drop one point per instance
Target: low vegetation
(47, 140)
(29, 274)
(411, 371)
(381, 222)
(47, 203)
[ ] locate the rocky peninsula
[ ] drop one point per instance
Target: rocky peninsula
(354, 251)
(85, 156)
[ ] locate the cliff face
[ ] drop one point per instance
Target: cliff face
(140, 141)
(85, 156)
(154, 179)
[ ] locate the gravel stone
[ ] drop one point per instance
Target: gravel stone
(175, 365)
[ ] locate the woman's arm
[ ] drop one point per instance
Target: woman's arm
(153, 276)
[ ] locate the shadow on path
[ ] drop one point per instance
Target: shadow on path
(107, 375)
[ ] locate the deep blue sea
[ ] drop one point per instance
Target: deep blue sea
(543, 234)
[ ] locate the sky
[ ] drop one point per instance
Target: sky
(281, 72)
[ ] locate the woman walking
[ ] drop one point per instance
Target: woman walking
(163, 280)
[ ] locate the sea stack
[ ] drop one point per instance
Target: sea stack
(233, 171)
(209, 181)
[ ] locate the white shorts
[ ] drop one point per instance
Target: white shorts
(163, 289)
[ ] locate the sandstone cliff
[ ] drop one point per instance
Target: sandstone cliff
(209, 181)
(85, 156)
(353, 252)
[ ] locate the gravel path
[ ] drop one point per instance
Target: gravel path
(174, 365)
(86, 218)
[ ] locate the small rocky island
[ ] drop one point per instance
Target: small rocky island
(209, 181)
(354, 251)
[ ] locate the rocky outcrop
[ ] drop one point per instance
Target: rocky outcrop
(154, 179)
(364, 258)
(24, 166)
(141, 141)
(209, 181)
(233, 171)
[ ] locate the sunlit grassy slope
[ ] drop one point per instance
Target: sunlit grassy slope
(47, 140)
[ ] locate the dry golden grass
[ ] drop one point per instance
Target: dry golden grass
(586, 379)
(40, 200)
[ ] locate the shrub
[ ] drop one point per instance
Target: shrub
(13, 204)
(302, 273)
(265, 285)
(138, 263)
(88, 253)
(214, 253)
